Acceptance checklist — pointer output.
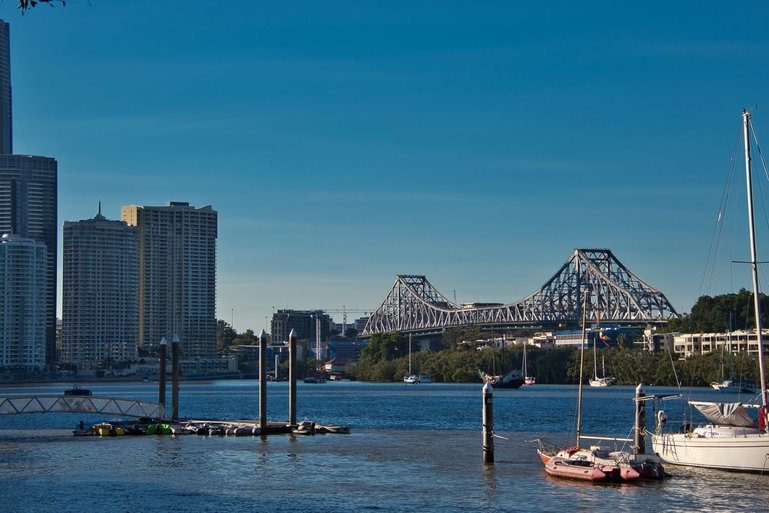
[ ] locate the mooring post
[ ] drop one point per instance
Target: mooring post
(263, 381)
(488, 424)
(292, 378)
(162, 372)
(175, 377)
(639, 445)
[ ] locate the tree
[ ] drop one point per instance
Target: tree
(25, 5)
(456, 334)
(384, 347)
(224, 334)
(718, 314)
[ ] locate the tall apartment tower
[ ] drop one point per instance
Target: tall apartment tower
(27, 194)
(6, 119)
(101, 292)
(177, 276)
(28, 209)
(23, 288)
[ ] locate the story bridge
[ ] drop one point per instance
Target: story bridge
(615, 295)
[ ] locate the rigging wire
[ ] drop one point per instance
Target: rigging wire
(715, 242)
(766, 175)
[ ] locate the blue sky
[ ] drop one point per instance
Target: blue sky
(346, 142)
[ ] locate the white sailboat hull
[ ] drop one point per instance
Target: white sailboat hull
(601, 382)
(721, 447)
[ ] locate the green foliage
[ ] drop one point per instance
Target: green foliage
(225, 335)
(384, 347)
(453, 336)
(711, 314)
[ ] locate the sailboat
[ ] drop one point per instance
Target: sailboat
(602, 381)
(513, 379)
(732, 384)
(527, 380)
(575, 462)
(410, 378)
(732, 440)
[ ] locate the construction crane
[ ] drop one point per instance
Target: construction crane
(344, 310)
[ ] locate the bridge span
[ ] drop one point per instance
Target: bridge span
(16, 405)
(615, 295)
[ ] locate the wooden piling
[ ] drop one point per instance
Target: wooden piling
(263, 381)
(175, 377)
(488, 425)
(162, 372)
(639, 442)
(292, 378)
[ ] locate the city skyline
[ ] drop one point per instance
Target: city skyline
(343, 145)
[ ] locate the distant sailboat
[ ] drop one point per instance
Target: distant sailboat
(602, 381)
(410, 378)
(513, 379)
(732, 384)
(527, 380)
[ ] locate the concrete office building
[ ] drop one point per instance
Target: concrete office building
(177, 276)
(100, 292)
(23, 315)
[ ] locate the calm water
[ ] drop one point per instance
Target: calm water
(412, 448)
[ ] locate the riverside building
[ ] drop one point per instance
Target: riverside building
(27, 194)
(101, 293)
(177, 276)
(23, 289)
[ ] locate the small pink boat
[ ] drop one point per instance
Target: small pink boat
(618, 472)
(582, 469)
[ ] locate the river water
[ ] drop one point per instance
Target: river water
(412, 449)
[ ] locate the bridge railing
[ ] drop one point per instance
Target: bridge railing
(17, 405)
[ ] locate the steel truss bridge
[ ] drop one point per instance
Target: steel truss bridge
(615, 295)
(80, 404)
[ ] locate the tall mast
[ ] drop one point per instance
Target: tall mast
(409, 354)
(581, 365)
(753, 259)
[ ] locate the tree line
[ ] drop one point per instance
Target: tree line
(386, 360)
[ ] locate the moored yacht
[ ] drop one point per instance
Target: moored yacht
(732, 439)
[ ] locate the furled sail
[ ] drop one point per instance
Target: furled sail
(724, 414)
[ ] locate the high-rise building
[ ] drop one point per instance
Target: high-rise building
(308, 325)
(177, 276)
(23, 287)
(27, 193)
(6, 119)
(28, 209)
(100, 292)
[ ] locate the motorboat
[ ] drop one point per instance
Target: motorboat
(77, 390)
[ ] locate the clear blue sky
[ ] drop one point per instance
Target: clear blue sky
(345, 142)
